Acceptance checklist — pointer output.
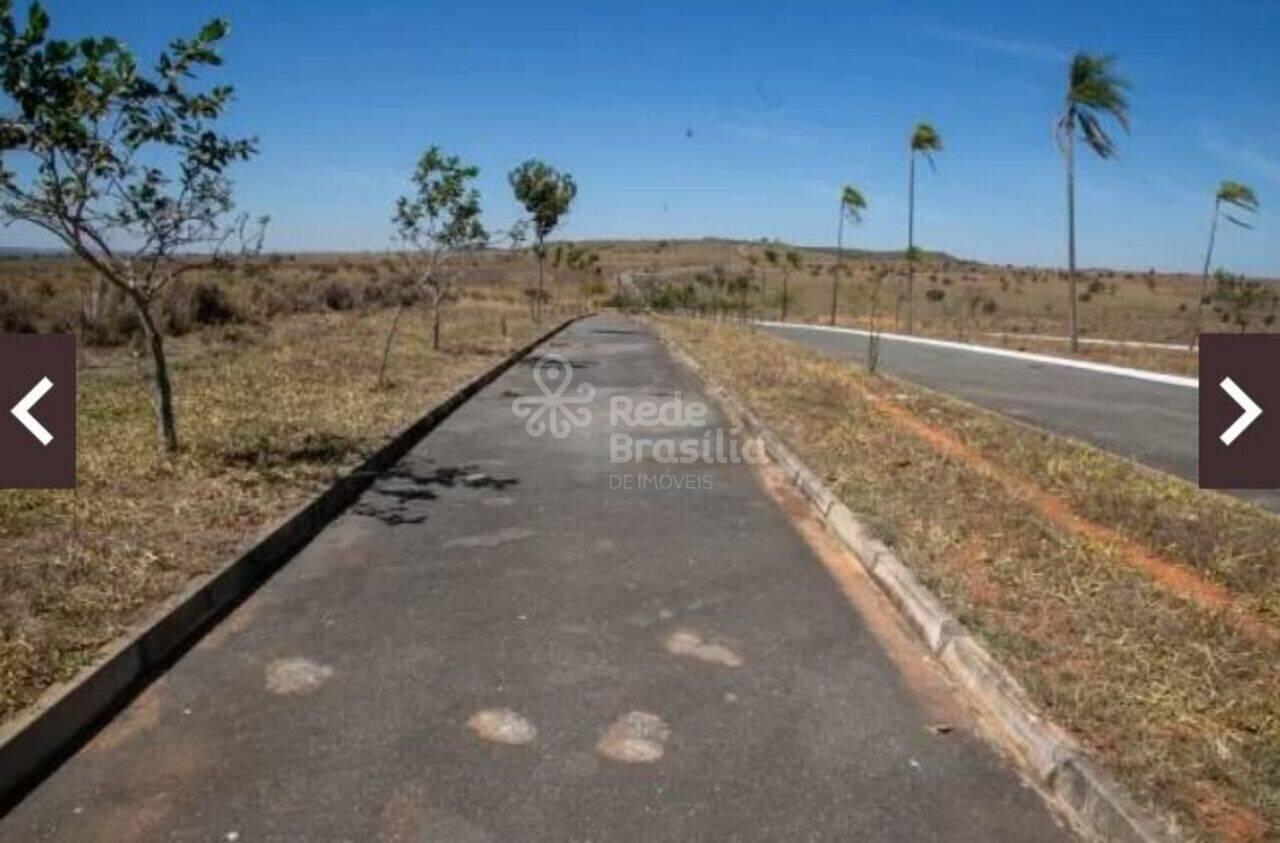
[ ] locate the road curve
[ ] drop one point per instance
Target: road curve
(1151, 422)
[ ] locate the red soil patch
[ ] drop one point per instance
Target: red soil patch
(1229, 822)
(1167, 575)
(969, 559)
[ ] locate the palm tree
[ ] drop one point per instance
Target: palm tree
(925, 140)
(1237, 195)
(1093, 91)
(851, 207)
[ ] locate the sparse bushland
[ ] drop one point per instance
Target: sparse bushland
(1016, 307)
(1140, 613)
(1241, 304)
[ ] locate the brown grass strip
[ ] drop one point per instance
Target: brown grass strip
(1169, 576)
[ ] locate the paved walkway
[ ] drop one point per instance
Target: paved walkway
(502, 641)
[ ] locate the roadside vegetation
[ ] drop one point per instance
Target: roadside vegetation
(546, 195)
(437, 229)
(1016, 307)
(126, 169)
(274, 413)
(1141, 613)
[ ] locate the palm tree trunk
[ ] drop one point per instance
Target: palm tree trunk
(911, 244)
(835, 275)
(1204, 276)
(1073, 327)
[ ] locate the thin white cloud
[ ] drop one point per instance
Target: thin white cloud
(1239, 153)
(1017, 48)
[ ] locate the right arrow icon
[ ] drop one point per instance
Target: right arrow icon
(1248, 417)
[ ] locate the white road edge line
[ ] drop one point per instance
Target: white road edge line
(1164, 346)
(1065, 362)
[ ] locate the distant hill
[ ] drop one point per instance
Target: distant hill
(30, 252)
(674, 242)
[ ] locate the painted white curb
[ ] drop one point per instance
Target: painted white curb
(1094, 802)
(992, 351)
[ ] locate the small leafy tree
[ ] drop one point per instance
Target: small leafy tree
(438, 222)
(1093, 90)
(126, 169)
(1238, 196)
(852, 204)
(546, 195)
(925, 141)
(873, 334)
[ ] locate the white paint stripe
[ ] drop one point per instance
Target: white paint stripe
(1065, 362)
(1164, 346)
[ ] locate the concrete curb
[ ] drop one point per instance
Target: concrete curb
(1094, 802)
(69, 714)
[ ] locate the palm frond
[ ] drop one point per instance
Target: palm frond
(853, 203)
(1238, 222)
(1239, 195)
(1093, 91)
(1096, 136)
(925, 138)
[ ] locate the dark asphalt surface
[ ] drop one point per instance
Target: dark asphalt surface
(494, 570)
(1151, 423)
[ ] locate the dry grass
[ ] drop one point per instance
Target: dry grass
(955, 299)
(1171, 693)
(268, 416)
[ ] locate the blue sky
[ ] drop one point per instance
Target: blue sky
(785, 101)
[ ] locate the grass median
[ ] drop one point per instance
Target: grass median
(1140, 613)
(268, 415)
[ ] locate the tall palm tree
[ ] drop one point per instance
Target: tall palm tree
(925, 141)
(852, 204)
(1239, 196)
(1093, 91)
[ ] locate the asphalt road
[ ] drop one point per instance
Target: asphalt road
(682, 663)
(1151, 423)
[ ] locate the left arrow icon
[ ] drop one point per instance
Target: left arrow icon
(22, 411)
